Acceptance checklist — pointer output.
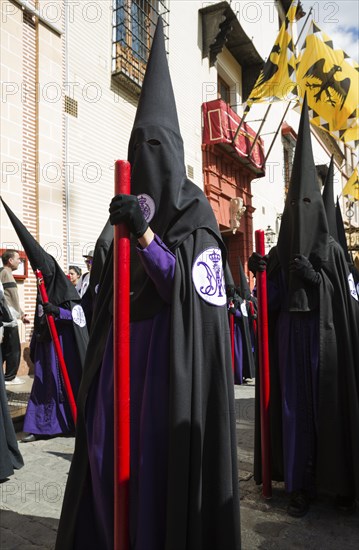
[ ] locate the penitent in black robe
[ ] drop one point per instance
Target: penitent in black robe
(336, 408)
(202, 503)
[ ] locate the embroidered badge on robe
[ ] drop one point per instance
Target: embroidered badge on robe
(147, 205)
(208, 278)
(78, 316)
(353, 290)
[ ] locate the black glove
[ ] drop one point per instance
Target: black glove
(50, 309)
(304, 269)
(230, 291)
(233, 306)
(126, 208)
(232, 310)
(257, 263)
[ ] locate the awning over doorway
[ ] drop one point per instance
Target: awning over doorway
(221, 28)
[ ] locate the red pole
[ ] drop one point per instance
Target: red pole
(58, 350)
(121, 344)
(231, 327)
(262, 339)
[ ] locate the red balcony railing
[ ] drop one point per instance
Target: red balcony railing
(220, 123)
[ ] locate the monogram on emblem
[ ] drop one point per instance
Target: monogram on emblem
(147, 206)
(214, 276)
(207, 275)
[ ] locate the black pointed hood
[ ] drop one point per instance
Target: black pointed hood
(102, 247)
(304, 227)
(328, 199)
(173, 206)
(342, 240)
(157, 105)
(58, 286)
(244, 290)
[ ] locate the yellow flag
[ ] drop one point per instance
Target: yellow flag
(277, 78)
(330, 79)
(351, 188)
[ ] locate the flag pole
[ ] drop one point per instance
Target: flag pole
(246, 111)
(287, 108)
(121, 343)
(58, 350)
(264, 380)
(277, 131)
(260, 127)
(304, 25)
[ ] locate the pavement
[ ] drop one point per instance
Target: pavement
(31, 500)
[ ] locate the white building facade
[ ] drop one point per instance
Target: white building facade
(71, 75)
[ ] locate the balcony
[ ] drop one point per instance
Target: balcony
(220, 123)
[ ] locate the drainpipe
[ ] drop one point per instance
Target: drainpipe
(66, 142)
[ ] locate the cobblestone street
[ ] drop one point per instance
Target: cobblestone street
(30, 501)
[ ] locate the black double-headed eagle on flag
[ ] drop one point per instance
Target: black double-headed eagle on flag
(330, 79)
(329, 84)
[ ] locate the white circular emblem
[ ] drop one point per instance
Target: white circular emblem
(97, 288)
(244, 309)
(78, 316)
(147, 205)
(353, 290)
(207, 276)
(40, 310)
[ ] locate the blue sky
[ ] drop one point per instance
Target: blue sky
(340, 20)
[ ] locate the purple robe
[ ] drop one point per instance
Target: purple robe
(48, 411)
(149, 421)
(297, 351)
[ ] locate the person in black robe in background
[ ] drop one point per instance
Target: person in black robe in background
(184, 478)
(252, 309)
(314, 351)
(103, 245)
(336, 226)
(10, 456)
(243, 350)
(48, 411)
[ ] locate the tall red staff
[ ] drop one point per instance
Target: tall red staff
(58, 350)
(121, 345)
(263, 352)
(231, 329)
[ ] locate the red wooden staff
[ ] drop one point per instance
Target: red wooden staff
(57, 346)
(121, 343)
(263, 350)
(231, 328)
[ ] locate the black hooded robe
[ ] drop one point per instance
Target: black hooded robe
(48, 412)
(337, 423)
(10, 456)
(202, 504)
(202, 509)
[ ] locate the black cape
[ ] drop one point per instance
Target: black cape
(202, 472)
(304, 230)
(203, 503)
(10, 456)
(336, 469)
(103, 245)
